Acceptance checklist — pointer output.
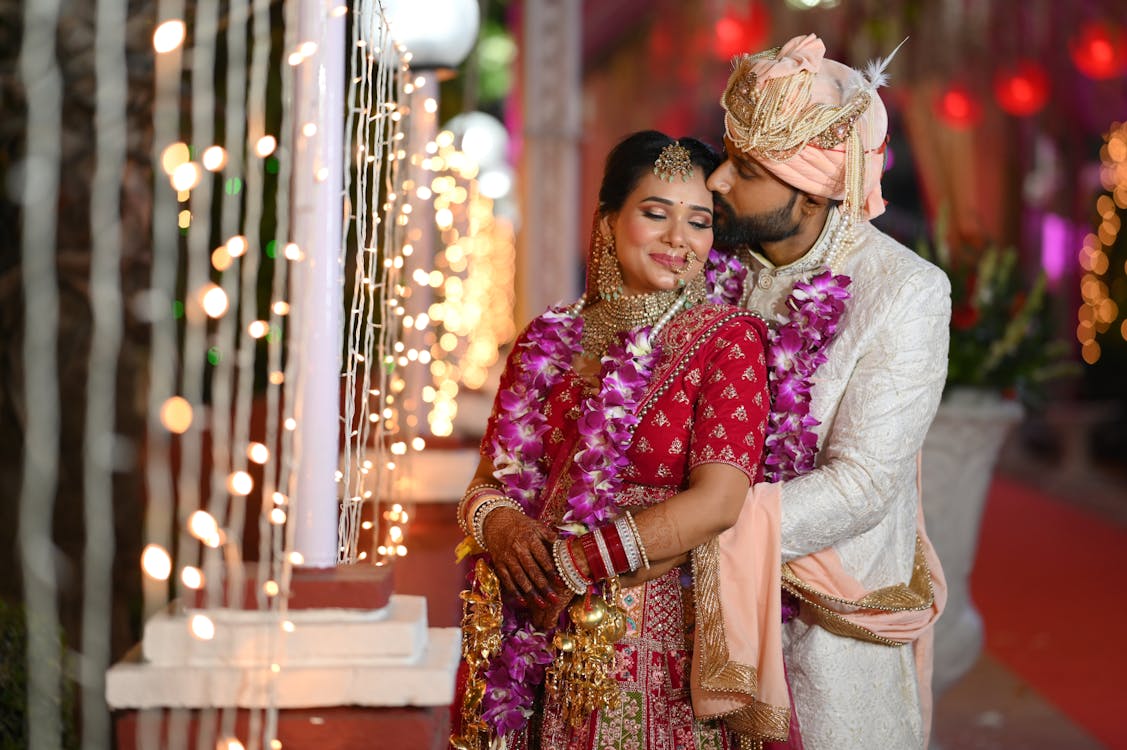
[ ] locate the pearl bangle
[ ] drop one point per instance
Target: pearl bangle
(482, 511)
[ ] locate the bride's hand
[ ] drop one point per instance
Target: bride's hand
(547, 618)
(521, 550)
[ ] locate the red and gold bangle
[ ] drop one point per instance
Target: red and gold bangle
(613, 540)
(595, 564)
(575, 563)
(604, 553)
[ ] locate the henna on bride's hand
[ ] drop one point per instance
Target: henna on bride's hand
(521, 551)
(660, 530)
(547, 618)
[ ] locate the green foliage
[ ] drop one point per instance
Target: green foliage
(13, 684)
(1002, 333)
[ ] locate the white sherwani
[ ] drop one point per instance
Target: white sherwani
(875, 398)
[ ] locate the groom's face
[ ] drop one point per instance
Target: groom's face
(752, 205)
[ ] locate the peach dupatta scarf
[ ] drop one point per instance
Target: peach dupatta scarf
(737, 671)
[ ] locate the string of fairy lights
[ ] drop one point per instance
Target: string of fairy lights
(1098, 311)
(473, 273)
(423, 255)
(379, 95)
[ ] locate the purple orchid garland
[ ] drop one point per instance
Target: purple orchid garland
(519, 429)
(796, 350)
(724, 278)
(606, 427)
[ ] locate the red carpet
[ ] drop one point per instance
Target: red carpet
(1050, 582)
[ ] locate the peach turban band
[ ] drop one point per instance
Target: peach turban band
(813, 168)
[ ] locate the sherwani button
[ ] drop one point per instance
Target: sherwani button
(766, 280)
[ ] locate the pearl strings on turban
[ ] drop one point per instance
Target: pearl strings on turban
(816, 124)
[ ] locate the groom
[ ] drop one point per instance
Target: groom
(805, 141)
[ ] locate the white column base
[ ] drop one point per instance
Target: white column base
(332, 658)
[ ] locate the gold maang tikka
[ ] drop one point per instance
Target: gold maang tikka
(674, 160)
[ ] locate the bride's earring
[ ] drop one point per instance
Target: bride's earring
(609, 279)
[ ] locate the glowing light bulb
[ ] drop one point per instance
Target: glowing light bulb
(258, 328)
(168, 36)
(237, 246)
(192, 577)
(173, 156)
(156, 562)
(258, 453)
(176, 415)
(239, 483)
(296, 558)
(221, 260)
(186, 176)
(265, 145)
(214, 158)
(292, 251)
(202, 526)
(281, 308)
(270, 588)
(277, 516)
(214, 301)
(202, 627)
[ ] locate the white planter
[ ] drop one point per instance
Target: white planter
(959, 454)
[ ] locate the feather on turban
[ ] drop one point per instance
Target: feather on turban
(816, 124)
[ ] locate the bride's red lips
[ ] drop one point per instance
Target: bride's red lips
(675, 262)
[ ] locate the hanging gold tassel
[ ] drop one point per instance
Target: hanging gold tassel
(582, 676)
(481, 641)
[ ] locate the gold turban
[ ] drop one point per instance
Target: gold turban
(816, 124)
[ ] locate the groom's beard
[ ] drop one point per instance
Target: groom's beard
(731, 232)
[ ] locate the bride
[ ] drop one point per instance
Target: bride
(626, 431)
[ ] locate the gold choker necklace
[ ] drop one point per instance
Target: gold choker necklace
(604, 320)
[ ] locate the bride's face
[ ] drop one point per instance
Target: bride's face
(663, 233)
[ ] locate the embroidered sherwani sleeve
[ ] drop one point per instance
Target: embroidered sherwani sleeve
(880, 424)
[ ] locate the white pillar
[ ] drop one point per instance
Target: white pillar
(317, 283)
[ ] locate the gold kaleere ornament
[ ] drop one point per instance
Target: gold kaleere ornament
(481, 641)
(582, 676)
